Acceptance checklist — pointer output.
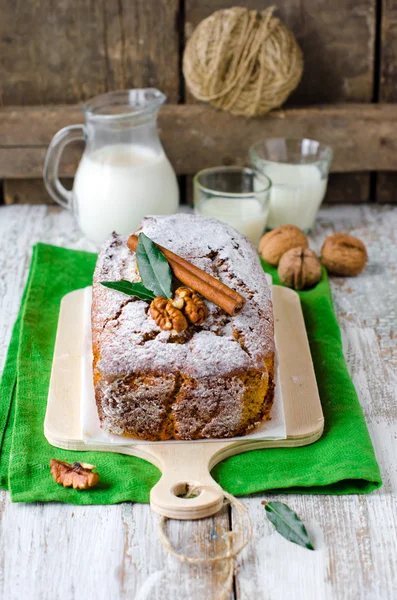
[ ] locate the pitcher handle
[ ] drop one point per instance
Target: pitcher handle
(54, 187)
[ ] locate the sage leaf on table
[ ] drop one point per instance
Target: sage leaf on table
(153, 267)
(287, 523)
(131, 289)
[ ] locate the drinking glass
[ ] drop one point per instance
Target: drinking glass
(298, 169)
(236, 195)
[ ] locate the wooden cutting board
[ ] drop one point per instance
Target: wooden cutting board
(186, 464)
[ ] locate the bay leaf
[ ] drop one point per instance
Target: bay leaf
(153, 267)
(131, 289)
(287, 523)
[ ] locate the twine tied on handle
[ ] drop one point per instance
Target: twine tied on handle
(242, 61)
(236, 540)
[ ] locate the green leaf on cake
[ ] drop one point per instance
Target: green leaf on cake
(153, 267)
(131, 289)
(154, 270)
(287, 523)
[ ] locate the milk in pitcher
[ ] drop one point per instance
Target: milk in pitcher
(117, 185)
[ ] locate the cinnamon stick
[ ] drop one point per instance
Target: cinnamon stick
(198, 280)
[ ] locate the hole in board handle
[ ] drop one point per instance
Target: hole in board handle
(182, 489)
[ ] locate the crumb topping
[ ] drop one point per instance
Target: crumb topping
(130, 340)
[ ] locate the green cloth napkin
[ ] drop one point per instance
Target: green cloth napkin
(341, 462)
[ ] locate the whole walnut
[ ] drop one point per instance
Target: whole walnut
(167, 316)
(277, 242)
(343, 254)
(299, 268)
(191, 305)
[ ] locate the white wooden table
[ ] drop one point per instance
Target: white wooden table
(54, 551)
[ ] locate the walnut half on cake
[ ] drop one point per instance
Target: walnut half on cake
(213, 380)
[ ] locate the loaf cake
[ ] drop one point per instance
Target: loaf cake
(210, 381)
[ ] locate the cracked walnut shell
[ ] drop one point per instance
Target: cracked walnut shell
(343, 254)
(193, 307)
(167, 315)
(277, 242)
(299, 268)
(80, 476)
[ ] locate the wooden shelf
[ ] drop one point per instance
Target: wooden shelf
(363, 136)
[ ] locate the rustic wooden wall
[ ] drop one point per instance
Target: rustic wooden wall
(68, 51)
(386, 183)
(337, 39)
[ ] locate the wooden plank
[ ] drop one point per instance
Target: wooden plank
(27, 191)
(39, 45)
(348, 188)
(363, 136)
(386, 188)
(386, 185)
(112, 552)
(72, 50)
(30, 191)
(337, 39)
(147, 41)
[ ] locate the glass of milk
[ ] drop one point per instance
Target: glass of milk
(236, 195)
(124, 173)
(298, 170)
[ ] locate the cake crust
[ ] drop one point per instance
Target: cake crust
(214, 380)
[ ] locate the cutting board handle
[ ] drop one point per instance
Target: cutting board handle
(185, 467)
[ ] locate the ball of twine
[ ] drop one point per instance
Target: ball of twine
(242, 61)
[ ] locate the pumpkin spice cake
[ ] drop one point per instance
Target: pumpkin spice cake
(213, 380)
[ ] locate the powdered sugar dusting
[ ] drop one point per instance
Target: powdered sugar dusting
(130, 341)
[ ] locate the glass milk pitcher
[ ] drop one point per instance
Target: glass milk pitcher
(124, 173)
